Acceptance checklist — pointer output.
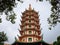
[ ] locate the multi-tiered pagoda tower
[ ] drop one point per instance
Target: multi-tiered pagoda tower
(30, 27)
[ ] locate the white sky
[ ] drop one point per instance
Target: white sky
(43, 8)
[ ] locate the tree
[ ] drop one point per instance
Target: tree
(3, 38)
(57, 42)
(16, 39)
(55, 16)
(6, 6)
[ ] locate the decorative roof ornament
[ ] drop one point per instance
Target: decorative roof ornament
(30, 7)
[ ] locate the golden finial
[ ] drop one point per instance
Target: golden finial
(30, 7)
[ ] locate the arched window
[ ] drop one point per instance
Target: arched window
(23, 39)
(30, 32)
(29, 21)
(29, 16)
(30, 39)
(29, 26)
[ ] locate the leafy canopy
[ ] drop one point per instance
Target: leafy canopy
(6, 6)
(3, 37)
(57, 42)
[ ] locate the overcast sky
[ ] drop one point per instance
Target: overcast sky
(43, 8)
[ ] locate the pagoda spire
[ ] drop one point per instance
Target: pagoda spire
(30, 8)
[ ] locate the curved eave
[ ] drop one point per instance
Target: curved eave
(36, 16)
(39, 32)
(29, 24)
(30, 36)
(36, 29)
(37, 20)
(26, 11)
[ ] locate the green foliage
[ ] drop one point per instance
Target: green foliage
(53, 2)
(49, 28)
(57, 42)
(54, 43)
(3, 37)
(1, 43)
(7, 6)
(54, 17)
(58, 38)
(11, 18)
(40, 0)
(0, 20)
(15, 39)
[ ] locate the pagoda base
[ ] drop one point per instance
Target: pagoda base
(33, 43)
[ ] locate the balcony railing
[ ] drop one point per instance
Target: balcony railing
(32, 18)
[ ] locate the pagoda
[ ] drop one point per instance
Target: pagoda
(30, 27)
